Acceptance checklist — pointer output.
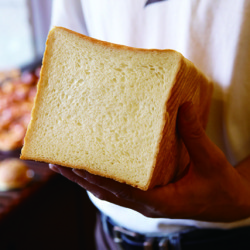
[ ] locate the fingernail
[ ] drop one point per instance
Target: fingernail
(54, 168)
(187, 111)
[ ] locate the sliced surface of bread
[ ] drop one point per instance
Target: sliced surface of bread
(111, 109)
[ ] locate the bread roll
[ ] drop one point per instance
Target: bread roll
(14, 173)
(111, 109)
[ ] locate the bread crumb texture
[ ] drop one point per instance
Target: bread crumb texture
(101, 107)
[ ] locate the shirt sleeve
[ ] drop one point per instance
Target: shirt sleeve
(68, 14)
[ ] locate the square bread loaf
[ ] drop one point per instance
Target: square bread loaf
(112, 109)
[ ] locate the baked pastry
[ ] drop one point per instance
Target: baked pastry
(17, 93)
(111, 109)
(14, 174)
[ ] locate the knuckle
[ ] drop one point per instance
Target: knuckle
(193, 130)
(197, 132)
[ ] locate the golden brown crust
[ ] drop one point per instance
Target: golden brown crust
(173, 158)
(42, 75)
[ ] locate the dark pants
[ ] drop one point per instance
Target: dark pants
(198, 239)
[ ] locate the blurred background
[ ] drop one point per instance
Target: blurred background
(24, 25)
(38, 208)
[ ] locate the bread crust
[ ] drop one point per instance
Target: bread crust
(190, 85)
(172, 158)
(110, 45)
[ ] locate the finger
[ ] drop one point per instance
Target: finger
(144, 202)
(103, 188)
(123, 191)
(120, 190)
(69, 174)
(54, 168)
(149, 203)
(99, 192)
(193, 135)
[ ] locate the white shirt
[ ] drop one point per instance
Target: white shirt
(214, 35)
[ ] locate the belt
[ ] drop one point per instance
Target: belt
(192, 239)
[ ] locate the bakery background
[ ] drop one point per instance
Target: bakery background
(37, 207)
(24, 25)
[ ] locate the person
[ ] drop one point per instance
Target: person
(209, 206)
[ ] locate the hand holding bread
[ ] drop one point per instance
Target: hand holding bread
(111, 109)
(210, 190)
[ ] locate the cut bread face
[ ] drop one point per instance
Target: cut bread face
(107, 108)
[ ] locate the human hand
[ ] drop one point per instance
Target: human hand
(210, 190)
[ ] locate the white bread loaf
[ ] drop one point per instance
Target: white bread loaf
(111, 109)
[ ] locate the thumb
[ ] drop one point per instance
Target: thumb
(192, 133)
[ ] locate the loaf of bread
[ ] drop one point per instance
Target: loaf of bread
(111, 109)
